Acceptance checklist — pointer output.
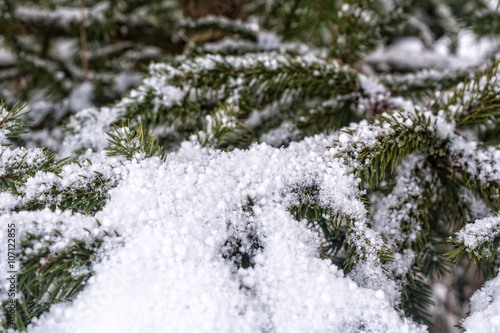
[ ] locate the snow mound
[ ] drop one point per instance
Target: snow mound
(171, 268)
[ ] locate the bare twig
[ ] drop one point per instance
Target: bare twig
(83, 39)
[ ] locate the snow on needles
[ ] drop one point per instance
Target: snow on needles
(170, 270)
(479, 233)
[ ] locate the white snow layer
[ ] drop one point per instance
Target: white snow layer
(484, 309)
(166, 272)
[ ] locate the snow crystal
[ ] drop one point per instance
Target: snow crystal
(81, 97)
(393, 214)
(370, 85)
(8, 201)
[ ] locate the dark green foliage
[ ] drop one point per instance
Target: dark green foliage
(484, 252)
(411, 133)
(417, 298)
(229, 91)
(422, 85)
(218, 27)
(88, 198)
(241, 251)
(325, 220)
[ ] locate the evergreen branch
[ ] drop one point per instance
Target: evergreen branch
(378, 148)
(11, 122)
(479, 240)
(18, 164)
(483, 18)
(179, 95)
(268, 77)
(66, 185)
(323, 219)
(355, 27)
(473, 102)
(135, 143)
(242, 250)
(364, 250)
(479, 168)
(417, 298)
(51, 276)
(222, 128)
(447, 21)
(330, 115)
(65, 23)
(404, 218)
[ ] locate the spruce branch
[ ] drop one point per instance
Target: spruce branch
(134, 143)
(379, 148)
(479, 240)
(185, 91)
(423, 84)
(51, 274)
(472, 102)
(347, 240)
(11, 122)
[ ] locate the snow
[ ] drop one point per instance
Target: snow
(166, 271)
(285, 133)
(89, 127)
(397, 213)
(410, 54)
(81, 97)
(484, 309)
(6, 57)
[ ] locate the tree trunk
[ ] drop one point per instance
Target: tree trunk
(232, 9)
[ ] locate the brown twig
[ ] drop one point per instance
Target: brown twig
(47, 263)
(83, 38)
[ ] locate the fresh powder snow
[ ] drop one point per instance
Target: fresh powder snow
(167, 272)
